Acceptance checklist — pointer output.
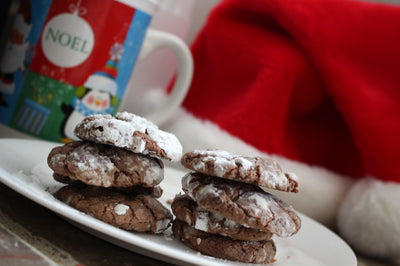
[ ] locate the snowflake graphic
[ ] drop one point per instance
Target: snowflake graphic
(116, 51)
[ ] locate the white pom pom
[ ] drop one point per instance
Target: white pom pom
(369, 218)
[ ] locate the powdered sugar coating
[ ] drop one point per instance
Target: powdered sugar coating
(245, 204)
(87, 161)
(259, 171)
(162, 225)
(121, 209)
(130, 132)
(201, 222)
(106, 166)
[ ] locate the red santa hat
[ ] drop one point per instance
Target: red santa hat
(316, 85)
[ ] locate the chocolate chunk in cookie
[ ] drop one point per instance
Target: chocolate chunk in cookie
(224, 247)
(138, 213)
(188, 211)
(258, 171)
(245, 204)
(106, 166)
(131, 132)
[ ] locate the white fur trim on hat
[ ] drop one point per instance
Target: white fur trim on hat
(369, 218)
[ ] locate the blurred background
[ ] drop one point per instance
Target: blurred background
(184, 18)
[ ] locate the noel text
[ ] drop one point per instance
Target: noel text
(66, 39)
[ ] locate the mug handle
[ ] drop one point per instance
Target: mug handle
(156, 39)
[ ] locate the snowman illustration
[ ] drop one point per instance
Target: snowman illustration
(14, 55)
(96, 96)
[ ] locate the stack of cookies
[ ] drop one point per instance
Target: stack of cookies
(114, 172)
(225, 214)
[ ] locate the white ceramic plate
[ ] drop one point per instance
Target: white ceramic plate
(23, 168)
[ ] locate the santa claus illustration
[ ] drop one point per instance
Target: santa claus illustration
(13, 57)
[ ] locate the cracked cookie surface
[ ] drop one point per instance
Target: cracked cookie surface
(243, 203)
(189, 212)
(140, 213)
(258, 171)
(131, 132)
(225, 247)
(106, 166)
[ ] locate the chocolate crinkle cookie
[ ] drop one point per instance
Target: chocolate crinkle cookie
(258, 171)
(130, 132)
(225, 247)
(106, 166)
(225, 212)
(140, 213)
(114, 172)
(188, 211)
(243, 203)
